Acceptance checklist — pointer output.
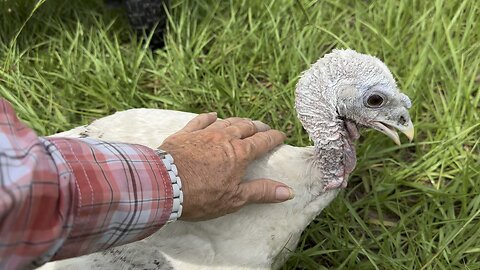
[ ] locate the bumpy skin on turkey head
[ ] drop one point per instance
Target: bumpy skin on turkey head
(332, 100)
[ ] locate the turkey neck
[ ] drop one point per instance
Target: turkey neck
(315, 103)
(330, 137)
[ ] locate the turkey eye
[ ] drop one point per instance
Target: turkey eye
(375, 101)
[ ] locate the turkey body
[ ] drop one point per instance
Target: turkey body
(256, 237)
(342, 91)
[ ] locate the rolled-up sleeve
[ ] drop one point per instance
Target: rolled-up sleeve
(65, 197)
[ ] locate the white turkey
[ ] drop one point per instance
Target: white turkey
(341, 92)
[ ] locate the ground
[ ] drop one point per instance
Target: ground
(415, 206)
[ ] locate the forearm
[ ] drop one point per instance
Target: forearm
(123, 193)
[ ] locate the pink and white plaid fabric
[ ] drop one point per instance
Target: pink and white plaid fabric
(64, 197)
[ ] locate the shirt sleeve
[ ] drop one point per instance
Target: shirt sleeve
(65, 197)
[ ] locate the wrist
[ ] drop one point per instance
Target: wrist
(177, 191)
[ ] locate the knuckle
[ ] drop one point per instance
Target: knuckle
(252, 146)
(251, 126)
(240, 198)
(241, 151)
(231, 152)
(268, 139)
(216, 134)
(196, 120)
(235, 129)
(260, 192)
(264, 192)
(263, 138)
(249, 148)
(225, 123)
(232, 120)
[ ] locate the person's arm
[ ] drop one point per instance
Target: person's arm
(63, 197)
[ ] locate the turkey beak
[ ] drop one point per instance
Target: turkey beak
(408, 130)
(389, 130)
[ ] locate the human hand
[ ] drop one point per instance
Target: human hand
(212, 156)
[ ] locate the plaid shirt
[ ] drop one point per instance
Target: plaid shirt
(64, 197)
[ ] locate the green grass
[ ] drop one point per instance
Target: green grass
(416, 206)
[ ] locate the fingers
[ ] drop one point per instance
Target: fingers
(243, 129)
(261, 143)
(265, 191)
(201, 121)
(223, 123)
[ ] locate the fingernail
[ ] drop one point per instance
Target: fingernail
(284, 193)
(213, 113)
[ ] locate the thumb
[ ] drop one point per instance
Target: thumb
(265, 191)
